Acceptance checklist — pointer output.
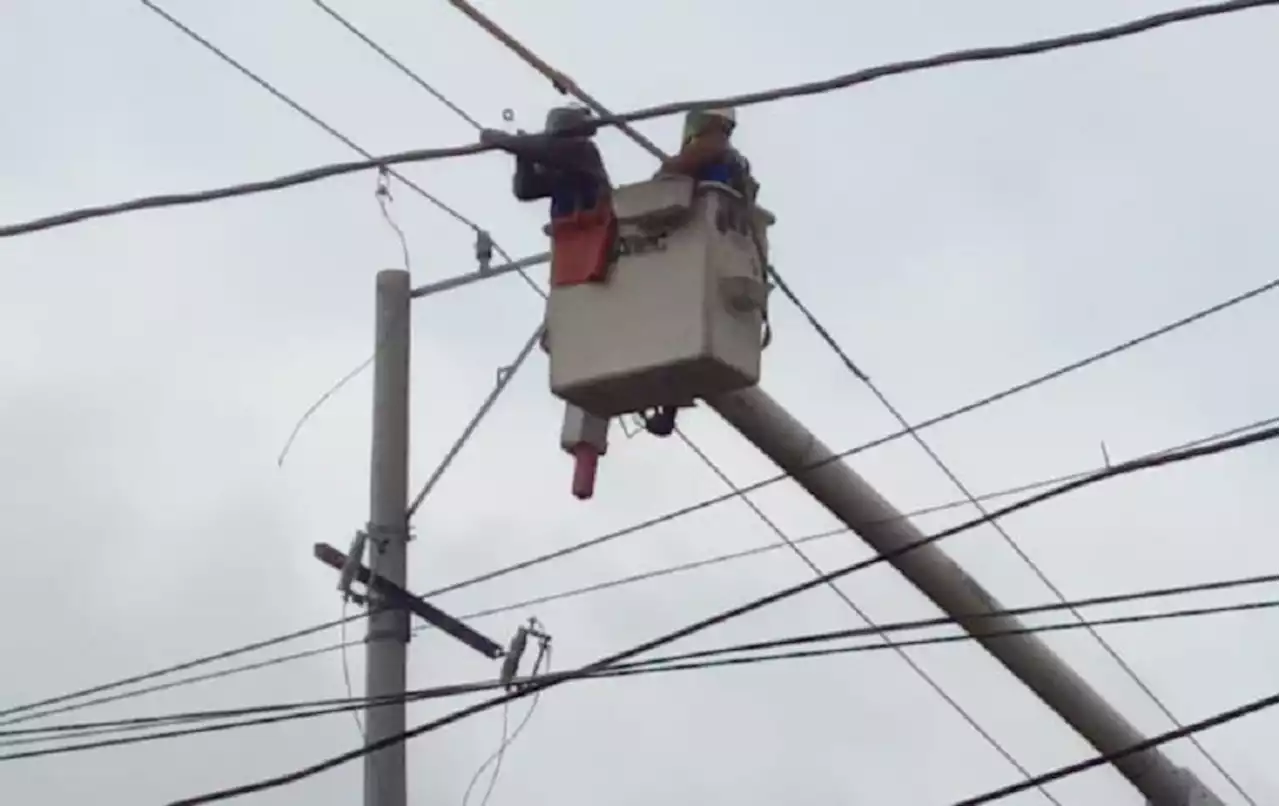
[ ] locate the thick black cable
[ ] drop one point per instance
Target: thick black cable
(139, 678)
(708, 659)
(864, 76)
(507, 608)
(698, 626)
(858, 632)
(1185, 731)
(675, 663)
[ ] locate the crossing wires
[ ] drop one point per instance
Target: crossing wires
(33, 709)
(566, 84)
(795, 647)
(1131, 28)
(719, 618)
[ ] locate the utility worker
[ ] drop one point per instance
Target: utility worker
(707, 155)
(564, 165)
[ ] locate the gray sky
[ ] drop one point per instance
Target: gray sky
(957, 231)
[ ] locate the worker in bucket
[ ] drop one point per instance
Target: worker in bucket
(564, 165)
(707, 155)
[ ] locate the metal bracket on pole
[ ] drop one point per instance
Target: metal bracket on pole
(484, 273)
(394, 596)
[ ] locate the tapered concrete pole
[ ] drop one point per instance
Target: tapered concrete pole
(388, 536)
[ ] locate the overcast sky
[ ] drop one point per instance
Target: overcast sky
(957, 231)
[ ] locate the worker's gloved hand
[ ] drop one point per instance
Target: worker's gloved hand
(492, 137)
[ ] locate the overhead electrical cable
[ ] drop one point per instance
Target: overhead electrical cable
(1093, 601)
(1130, 28)
(719, 657)
(369, 159)
(1097, 761)
(1103, 600)
(632, 669)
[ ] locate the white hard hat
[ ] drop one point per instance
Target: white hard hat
(697, 119)
(729, 114)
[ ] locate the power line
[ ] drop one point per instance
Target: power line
(688, 661)
(637, 668)
(399, 65)
(1097, 761)
(864, 76)
(538, 600)
(140, 678)
(698, 626)
(304, 112)
(633, 669)
(1104, 600)
(370, 160)
(936, 420)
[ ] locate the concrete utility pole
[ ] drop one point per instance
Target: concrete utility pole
(851, 499)
(388, 538)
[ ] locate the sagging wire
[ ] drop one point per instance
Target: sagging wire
(382, 193)
(346, 667)
(355, 557)
(508, 678)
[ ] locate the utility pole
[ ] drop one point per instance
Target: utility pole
(386, 649)
(851, 499)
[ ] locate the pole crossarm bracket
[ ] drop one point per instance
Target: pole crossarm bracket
(397, 597)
